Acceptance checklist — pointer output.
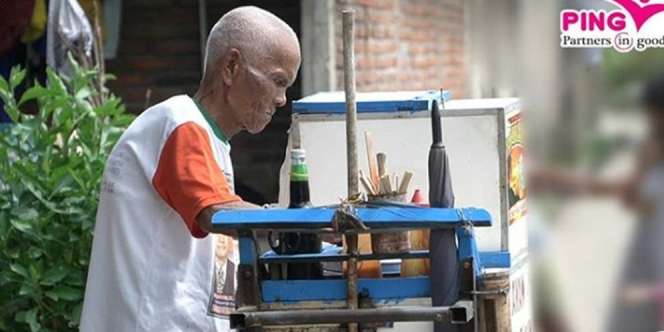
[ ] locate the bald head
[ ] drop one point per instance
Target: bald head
(256, 33)
(252, 58)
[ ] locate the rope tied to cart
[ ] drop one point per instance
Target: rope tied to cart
(466, 223)
(345, 216)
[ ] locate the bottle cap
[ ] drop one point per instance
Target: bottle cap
(299, 171)
(298, 154)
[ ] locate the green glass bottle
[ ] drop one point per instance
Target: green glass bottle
(301, 243)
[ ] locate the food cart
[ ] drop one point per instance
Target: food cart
(483, 140)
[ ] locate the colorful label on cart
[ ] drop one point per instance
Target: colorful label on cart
(520, 290)
(517, 190)
(222, 301)
(520, 300)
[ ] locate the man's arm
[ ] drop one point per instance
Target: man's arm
(648, 155)
(204, 218)
(563, 181)
(626, 188)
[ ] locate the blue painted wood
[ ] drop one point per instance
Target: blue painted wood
(247, 251)
(363, 107)
(382, 102)
(468, 248)
(375, 218)
(395, 288)
(489, 259)
(330, 290)
(303, 290)
(330, 253)
(495, 259)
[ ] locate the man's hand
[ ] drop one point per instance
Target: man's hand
(204, 218)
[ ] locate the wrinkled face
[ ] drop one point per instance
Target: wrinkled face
(260, 88)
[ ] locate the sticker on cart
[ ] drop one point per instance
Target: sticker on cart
(520, 304)
(517, 189)
(518, 287)
(222, 301)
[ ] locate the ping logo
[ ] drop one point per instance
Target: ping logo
(633, 24)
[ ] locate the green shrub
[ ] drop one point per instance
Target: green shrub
(51, 165)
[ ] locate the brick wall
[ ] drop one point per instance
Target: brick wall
(158, 51)
(406, 45)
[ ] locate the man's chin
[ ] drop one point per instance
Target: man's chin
(255, 130)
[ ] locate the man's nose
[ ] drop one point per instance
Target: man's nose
(281, 99)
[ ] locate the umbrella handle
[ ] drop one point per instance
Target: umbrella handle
(436, 128)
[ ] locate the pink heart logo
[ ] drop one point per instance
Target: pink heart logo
(640, 14)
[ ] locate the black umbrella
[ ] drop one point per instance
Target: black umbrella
(442, 243)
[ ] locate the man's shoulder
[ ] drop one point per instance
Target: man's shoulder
(177, 108)
(164, 117)
(178, 101)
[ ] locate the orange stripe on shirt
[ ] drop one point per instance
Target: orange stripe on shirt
(188, 177)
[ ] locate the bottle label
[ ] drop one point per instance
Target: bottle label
(299, 173)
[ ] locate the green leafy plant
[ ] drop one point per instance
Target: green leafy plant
(51, 165)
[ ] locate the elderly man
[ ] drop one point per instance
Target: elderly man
(153, 261)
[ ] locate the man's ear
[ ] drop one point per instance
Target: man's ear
(230, 66)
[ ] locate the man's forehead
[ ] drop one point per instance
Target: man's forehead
(284, 60)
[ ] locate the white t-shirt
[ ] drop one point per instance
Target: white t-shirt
(152, 268)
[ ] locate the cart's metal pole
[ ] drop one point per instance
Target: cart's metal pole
(351, 150)
(460, 313)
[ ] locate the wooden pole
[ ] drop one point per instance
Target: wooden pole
(351, 111)
(99, 56)
(351, 151)
(202, 31)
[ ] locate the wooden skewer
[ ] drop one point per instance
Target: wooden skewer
(405, 181)
(382, 164)
(366, 183)
(395, 184)
(385, 185)
(373, 167)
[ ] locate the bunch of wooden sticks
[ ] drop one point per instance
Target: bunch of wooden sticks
(379, 181)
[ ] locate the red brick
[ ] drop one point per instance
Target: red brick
(383, 46)
(364, 62)
(177, 47)
(361, 30)
(156, 62)
(385, 62)
(173, 16)
(135, 46)
(134, 79)
(161, 32)
(407, 44)
(380, 16)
